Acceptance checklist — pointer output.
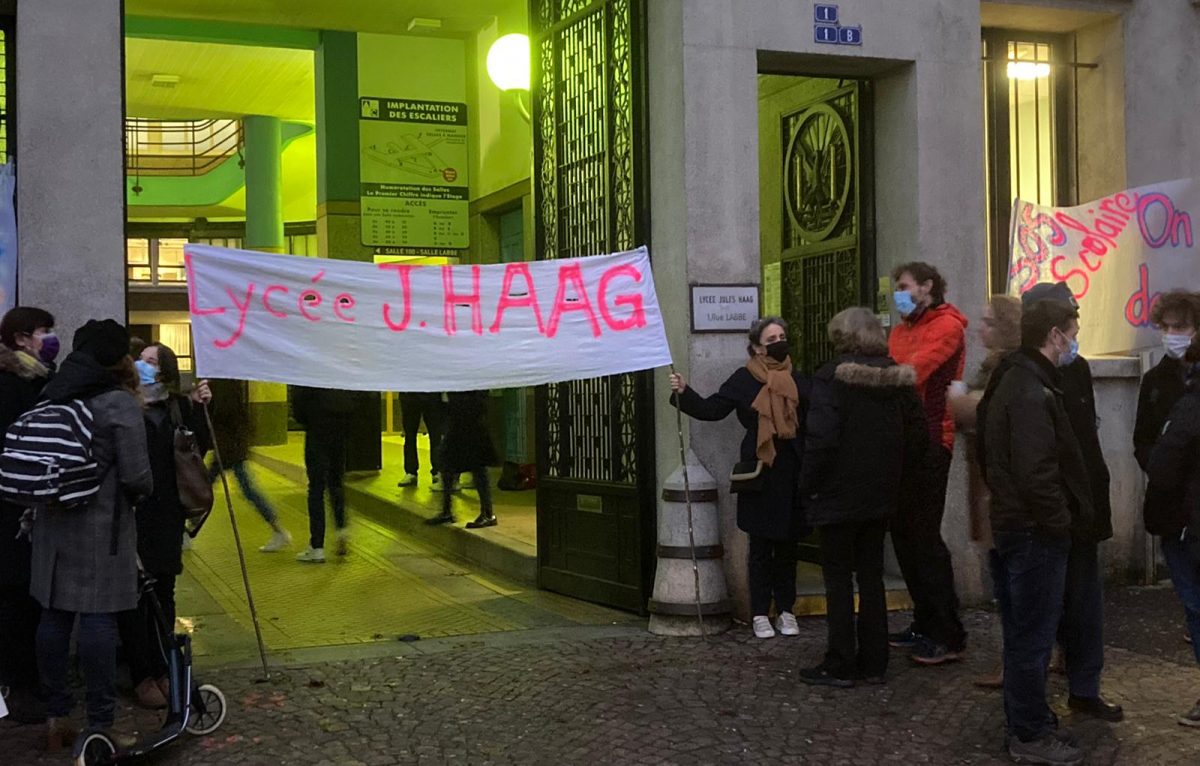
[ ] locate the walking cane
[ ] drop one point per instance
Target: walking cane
(237, 541)
(687, 495)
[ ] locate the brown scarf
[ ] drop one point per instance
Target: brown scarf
(775, 404)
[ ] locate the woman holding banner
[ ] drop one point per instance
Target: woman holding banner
(771, 400)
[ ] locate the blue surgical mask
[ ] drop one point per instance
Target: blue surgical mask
(147, 373)
(1070, 355)
(1176, 345)
(905, 304)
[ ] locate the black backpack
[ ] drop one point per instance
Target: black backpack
(47, 457)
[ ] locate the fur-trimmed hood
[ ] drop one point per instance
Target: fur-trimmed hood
(873, 376)
(11, 362)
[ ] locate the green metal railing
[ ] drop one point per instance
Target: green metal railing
(179, 147)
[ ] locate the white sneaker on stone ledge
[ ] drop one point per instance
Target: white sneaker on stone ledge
(787, 625)
(312, 556)
(762, 627)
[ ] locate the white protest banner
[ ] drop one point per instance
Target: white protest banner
(402, 327)
(1117, 254)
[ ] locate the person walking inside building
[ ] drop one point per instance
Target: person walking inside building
(233, 444)
(85, 559)
(323, 412)
(159, 515)
(467, 448)
(414, 408)
(1041, 491)
(931, 338)
(771, 401)
(864, 442)
(26, 342)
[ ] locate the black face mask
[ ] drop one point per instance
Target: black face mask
(778, 350)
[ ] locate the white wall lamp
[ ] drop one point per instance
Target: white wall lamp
(508, 68)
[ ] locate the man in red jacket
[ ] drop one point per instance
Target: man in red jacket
(932, 340)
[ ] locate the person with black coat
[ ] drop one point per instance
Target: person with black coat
(24, 353)
(1177, 314)
(1174, 473)
(770, 399)
(160, 519)
(865, 438)
(467, 448)
(233, 445)
(1041, 497)
(1081, 631)
(323, 413)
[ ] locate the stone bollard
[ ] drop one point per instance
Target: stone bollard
(673, 603)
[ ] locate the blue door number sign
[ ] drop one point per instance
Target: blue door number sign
(828, 29)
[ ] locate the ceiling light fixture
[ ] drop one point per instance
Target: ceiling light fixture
(427, 25)
(164, 80)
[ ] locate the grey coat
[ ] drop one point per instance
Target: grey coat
(73, 569)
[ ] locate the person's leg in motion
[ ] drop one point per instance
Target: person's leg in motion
(838, 667)
(316, 468)
(435, 423)
(872, 657)
(280, 537)
(337, 491)
(783, 586)
(410, 418)
(758, 566)
(487, 515)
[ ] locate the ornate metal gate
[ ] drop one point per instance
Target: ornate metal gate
(596, 470)
(828, 221)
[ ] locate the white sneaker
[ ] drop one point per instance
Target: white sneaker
(762, 627)
(312, 556)
(409, 480)
(279, 541)
(436, 484)
(786, 622)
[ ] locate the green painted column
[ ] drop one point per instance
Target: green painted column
(338, 212)
(264, 231)
(264, 183)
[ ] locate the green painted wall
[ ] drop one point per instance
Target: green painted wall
(337, 115)
(222, 32)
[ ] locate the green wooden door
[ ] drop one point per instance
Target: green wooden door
(595, 451)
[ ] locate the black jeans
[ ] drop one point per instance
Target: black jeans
(325, 464)
(414, 408)
(141, 636)
(1081, 632)
(847, 549)
(1032, 582)
(97, 658)
(19, 612)
(924, 558)
(772, 573)
(480, 475)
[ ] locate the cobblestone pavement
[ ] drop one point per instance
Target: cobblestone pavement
(618, 695)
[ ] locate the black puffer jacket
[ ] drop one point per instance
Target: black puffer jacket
(160, 515)
(866, 434)
(1174, 470)
(1035, 467)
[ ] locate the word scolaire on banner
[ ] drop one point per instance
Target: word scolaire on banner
(1117, 254)
(406, 327)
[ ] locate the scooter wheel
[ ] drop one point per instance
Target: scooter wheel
(97, 748)
(201, 723)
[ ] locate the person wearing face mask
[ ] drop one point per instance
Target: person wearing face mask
(1174, 482)
(159, 516)
(1177, 315)
(931, 338)
(771, 401)
(28, 347)
(1041, 497)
